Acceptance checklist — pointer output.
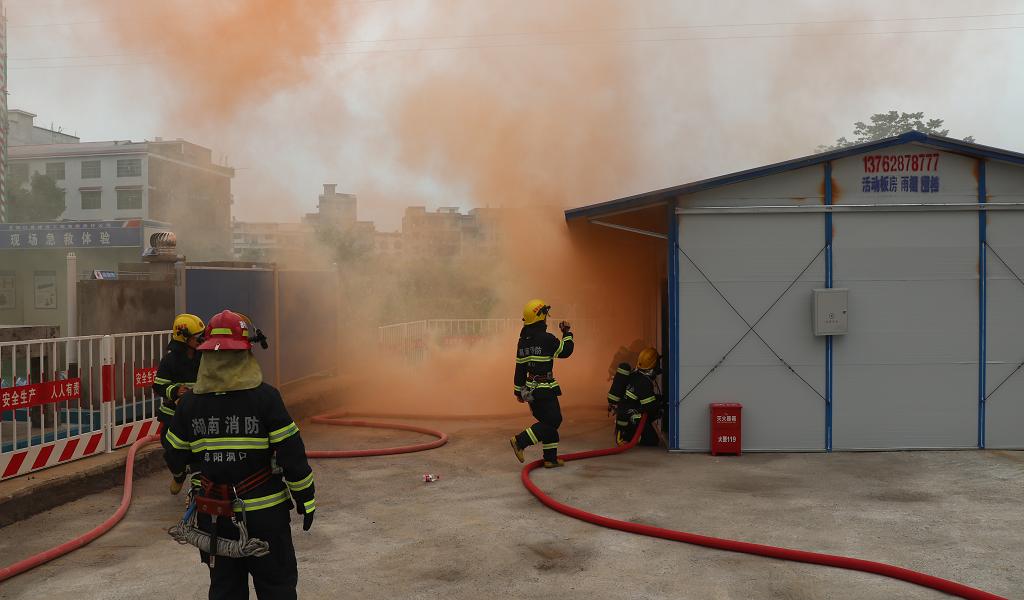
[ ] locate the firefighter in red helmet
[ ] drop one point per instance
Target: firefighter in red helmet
(234, 425)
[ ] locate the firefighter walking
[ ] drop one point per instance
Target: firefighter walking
(234, 425)
(535, 383)
(175, 376)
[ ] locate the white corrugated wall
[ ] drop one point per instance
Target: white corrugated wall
(907, 373)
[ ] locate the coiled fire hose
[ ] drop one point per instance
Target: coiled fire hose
(126, 498)
(842, 562)
(335, 418)
(187, 531)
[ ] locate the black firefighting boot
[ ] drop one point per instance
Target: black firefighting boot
(551, 460)
(515, 448)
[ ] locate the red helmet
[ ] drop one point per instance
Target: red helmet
(227, 330)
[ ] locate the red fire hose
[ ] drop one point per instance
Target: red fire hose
(126, 499)
(335, 419)
(842, 562)
(57, 551)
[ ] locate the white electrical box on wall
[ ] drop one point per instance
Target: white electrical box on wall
(830, 311)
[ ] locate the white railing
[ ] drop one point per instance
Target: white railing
(67, 398)
(134, 405)
(415, 337)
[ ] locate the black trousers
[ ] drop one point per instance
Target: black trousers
(545, 431)
(627, 418)
(165, 422)
(274, 576)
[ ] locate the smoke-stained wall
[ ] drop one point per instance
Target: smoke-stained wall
(124, 306)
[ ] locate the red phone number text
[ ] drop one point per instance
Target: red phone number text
(895, 163)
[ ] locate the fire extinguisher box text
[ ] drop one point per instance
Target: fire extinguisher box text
(726, 428)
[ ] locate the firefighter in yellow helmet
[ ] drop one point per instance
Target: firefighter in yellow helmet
(176, 375)
(535, 383)
(636, 393)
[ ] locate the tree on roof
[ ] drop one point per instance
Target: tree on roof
(891, 124)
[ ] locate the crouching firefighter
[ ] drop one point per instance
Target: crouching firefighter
(234, 424)
(634, 393)
(176, 375)
(535, 382)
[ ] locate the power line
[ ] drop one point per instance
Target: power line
(96, 21)
(674, 27)
(638, 28)
(39, 67)
(80, 56)
(671, 39)
(599, 30)
(571, 43)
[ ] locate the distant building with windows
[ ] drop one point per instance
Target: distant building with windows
(334, 209)
(171, 181)
(387, 243)
(449, 232)
(445, 232)
(271, 242)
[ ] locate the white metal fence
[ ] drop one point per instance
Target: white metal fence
(66, 398)
(414, 337)
(134, 405)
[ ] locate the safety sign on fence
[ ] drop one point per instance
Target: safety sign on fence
(36, 394)
(145, 377)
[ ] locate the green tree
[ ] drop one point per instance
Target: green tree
(347, 245)
(253, 255)
(890, 124)
(42, 200)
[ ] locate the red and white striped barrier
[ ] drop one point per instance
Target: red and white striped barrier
(67, 398)
(35, 458)
(126, 435)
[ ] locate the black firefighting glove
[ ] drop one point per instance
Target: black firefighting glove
(307, 517)
(564, 326)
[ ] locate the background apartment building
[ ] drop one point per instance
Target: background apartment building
(171, 181)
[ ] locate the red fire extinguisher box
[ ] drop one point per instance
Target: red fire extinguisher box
(726, 428)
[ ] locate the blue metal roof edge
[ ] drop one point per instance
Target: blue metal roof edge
(661, 196)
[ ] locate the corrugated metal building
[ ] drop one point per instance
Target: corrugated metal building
(925, 233)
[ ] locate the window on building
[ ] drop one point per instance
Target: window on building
(130, 199)
(91, 199)
(55, 170)
(129, 167)
(90, 169)
(19, 172)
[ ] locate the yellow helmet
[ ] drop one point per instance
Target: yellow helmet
(647, 359)
(186, 326)
(535, 310)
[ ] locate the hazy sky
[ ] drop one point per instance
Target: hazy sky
(770, 81)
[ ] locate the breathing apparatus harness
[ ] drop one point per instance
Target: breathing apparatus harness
(221, 500)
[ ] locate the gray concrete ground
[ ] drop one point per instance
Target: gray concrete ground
(381, 532)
